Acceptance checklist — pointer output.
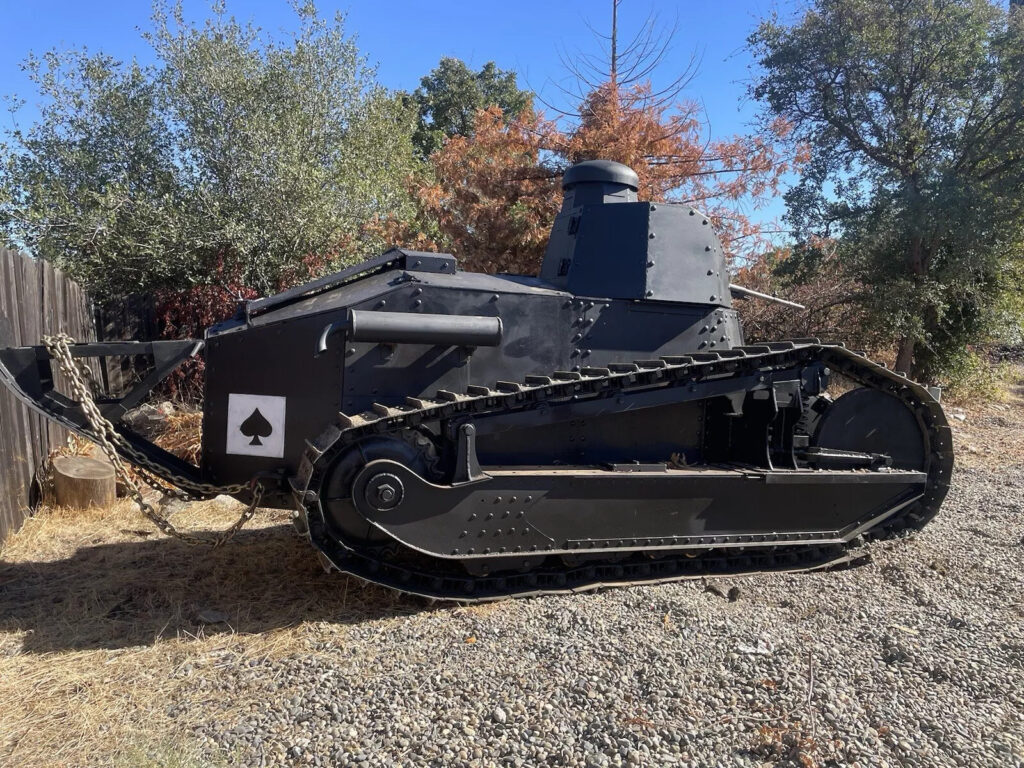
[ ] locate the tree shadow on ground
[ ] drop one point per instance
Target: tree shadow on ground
(115, 595)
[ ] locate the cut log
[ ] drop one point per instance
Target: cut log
(80, 482)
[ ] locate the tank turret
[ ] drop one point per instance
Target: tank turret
(605, 242)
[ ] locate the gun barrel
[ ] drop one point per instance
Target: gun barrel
(417, 328)
(747, 293)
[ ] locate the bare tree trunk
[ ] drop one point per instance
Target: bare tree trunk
(916, 265)
(905, 356)
(614, 74)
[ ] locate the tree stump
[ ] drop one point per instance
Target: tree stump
(81, 482)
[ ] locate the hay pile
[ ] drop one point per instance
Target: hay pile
(182, 435)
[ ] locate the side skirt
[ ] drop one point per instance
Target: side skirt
(514, 512)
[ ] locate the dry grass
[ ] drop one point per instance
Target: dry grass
(182, 435)
(990, 429)
(99, 615)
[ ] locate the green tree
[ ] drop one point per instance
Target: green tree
(235, 157)
(913, 111)
(449, 98)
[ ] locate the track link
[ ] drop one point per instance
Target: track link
(551, 576)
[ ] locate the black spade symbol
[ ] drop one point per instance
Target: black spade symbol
(256, 426)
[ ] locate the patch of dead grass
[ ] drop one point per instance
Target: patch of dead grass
(182, 435)
(99, 616)
(990, 430)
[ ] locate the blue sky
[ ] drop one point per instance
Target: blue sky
(406, 39)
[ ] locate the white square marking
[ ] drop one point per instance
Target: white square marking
(256, 425)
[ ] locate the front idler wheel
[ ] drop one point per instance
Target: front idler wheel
(383, 491)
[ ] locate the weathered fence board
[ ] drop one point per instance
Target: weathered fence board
(134, 318)
(36, 299)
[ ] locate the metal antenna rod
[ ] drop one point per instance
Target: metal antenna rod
(746, 293)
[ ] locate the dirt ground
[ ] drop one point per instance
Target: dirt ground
(99, 614)
(990, 433)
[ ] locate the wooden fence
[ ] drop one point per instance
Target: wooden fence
(130, 318)
(36, 299)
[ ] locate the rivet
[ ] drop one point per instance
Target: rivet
(417, 303)
(704, 222)
(651, 236)
(650, 263)
(650, 293)
(693, 212)
(654, 207)
(710, 272)
(707, 248)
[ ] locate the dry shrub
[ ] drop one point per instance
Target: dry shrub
(787, 743)
(832, 300)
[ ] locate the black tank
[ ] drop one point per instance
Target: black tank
(473, 436)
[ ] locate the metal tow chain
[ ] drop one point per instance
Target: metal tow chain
(110, 441)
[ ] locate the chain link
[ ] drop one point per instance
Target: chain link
(113, 445)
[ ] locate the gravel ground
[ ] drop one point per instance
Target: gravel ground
(915, 659)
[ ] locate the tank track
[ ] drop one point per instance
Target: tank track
(552, 576)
